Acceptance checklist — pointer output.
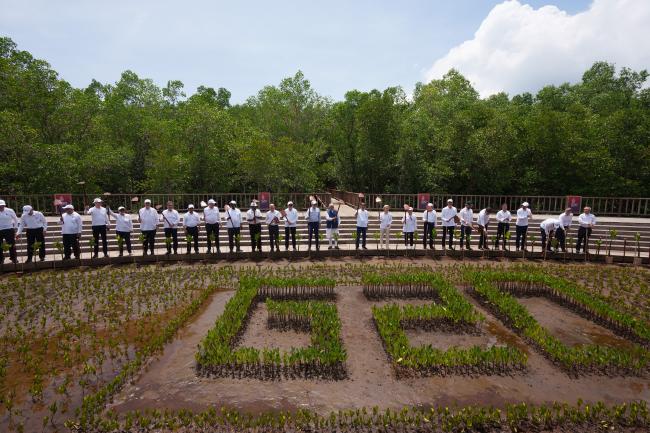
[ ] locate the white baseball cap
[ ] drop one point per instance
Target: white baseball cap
(27, 208)
(190, 206)
(289, 203)
(147, 201)
(314, 202)
(253, 204)
(211, 201)
(233, 202)
(2, 203)
(525, 204)
(120, 208)
(450, 201)
(68, 206)
(97, 200)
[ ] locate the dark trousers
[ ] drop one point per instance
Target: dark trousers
(35, 235)
(233, 237)
(483, 240)
(544, 243)
(362, 231)
(289, 231)
(465, 233)
(173, 234)
(8, 236)
(70, 244)
(313, 230)
(560, 235)
(126, 240)
(502, 229)
(210, 230)
(194, 232)
(149, 239)
(584, 234)
(255, 231)
(520, 239)
(408, 238)
(428, 234)
(97, 232)
(274, 233)
(448, 230)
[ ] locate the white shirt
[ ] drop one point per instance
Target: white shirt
(8, 219)
(123, 223)
(291, 217)
(523, 215)
(235, 218)
(385, 220)
(565, 219)
(362, 218)
(313, 215)
(99, 216)
(550, 224)
(72, 224)
(429, 216)
(173, 217)
(148, 219)
(466, 216)
(211, 215)
(586, 219)
(504, 216)
(271, 216)
(254, 217)
(483, 218)
(410, 223)
(447, 216)
(34, 221)
(191, 219)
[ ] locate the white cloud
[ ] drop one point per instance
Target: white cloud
(518, 48)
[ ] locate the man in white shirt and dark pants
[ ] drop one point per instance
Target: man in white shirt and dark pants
(503, 224)
(523, 215)
(171, 220)
(483, 222)
(71, 231)
(547, 228)
(587, 221)
(409, 226)
(100, 224)
(191, 222)
(8, 225)
(254, 217)
(148, 217)
(290, 220)
(272, 221)
(313, 223)
(385, 221)
(565, 219)
(429, 218)
(123, 229)
(466, 218)
(35, 224)
(362, 225)
(448, 218)
(212, 219)
(233, 224)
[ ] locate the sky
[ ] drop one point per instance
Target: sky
(512, 46)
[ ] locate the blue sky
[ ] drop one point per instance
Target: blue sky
(339, 45)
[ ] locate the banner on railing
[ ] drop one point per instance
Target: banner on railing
(61, 200)
(264, 199)
(423, 200)
(574, 202)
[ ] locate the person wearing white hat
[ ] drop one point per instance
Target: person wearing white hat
(429, 217)
(547, 228)
(290, 220)
(409, 226)
(100, 223)
(362, 225)
(272, 221)
(313, 224)
(8, 225)
(566, 218)
(254, 217)
(171, 220)
(523, 215)
(191, 222)
(233, 224)
(123, 228)
(148, 217)
(466, 215)
(483, 222)
(212, 219)
(35, 224)
(503, 224)
(448, 217)
(71, 227)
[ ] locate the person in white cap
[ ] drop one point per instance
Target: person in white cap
(503, 224)
(191, 222)
(523, 215)
(254, 217)
(566, 218)
(313, 224)
(290, 220)
(123, 228)
(100, 223)
(233, 224)
(71, 232)
(409, 226)
(35, 224)
(171, 220)
(212, 219)
(148, 217)
(466, 215)
(448, 218)
(385, 221)
(8, 225)
(548, 227)
(483, 221)
(332, 221)
(429, 218)
(362, 225)
(587, 221)
(272, 221)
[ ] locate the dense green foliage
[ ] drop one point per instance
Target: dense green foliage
(588, 138)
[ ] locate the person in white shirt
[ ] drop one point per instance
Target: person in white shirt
(429, 218)
(148, 217)
(332, 226)
(523, 215)
(503, 224)
(385, 221)
(212, 219)
(273, 217)
(71, 231)
(8, 225)
(483, 222)
(233, 224)
(191, 222)
(362, 225)
(566, 218)
(466, 215)
(171, 220)
(409, 225)
(35, 224)
(587, 221)
(100, 224)
(448, 217)
(254, 217)
(290, 220)
(547, 228)
(123, 228)
(313, 224)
